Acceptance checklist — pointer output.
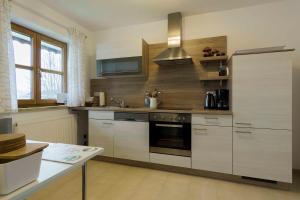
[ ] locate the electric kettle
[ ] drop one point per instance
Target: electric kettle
(210, 101)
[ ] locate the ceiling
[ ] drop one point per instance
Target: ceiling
(105, 14)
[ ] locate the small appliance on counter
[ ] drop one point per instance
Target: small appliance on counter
(222, 99)
(218, 99)
(101, 99)
(210, 100)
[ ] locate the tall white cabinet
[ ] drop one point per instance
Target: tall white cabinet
(262, 115)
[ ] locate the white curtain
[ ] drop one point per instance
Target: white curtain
(8, 91)
(77, 76)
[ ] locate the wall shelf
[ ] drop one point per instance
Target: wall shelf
(214, 59)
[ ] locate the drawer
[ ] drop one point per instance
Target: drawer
(164, 159)
(214, 120)
(105, 115)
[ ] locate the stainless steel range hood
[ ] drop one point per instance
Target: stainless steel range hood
(175, 54)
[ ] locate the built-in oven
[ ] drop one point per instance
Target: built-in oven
(170, 133)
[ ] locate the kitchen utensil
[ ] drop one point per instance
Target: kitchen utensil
(153, 103)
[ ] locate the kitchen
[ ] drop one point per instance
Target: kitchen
(136, 129)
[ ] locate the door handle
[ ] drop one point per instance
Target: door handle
(248, 132)
(107, 123)
(200, 129)
(215, 118)
(169, 125)
(243, 123)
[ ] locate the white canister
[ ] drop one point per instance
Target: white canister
(101, 98)
(153, 103)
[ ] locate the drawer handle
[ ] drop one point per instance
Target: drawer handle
(211, 118)
(242, 123)
(107, 123)
(200, 129)
(200, 133)
(247, 132)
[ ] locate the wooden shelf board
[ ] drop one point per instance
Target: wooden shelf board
(214, 59)
(214, 78)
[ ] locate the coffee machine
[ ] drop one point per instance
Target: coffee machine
(222, 99)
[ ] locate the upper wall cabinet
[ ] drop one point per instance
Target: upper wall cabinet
(122, 59)
(262, 90)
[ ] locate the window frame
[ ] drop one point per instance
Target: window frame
(37, 38)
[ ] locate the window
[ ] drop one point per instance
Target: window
(40, 67)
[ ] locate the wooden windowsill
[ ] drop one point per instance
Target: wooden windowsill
(42, 108)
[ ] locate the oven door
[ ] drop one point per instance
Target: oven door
(170, 138)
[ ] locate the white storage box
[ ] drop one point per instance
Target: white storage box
(17, 173)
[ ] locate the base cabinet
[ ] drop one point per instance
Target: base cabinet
(132, 140)
(212, 148)
(263, 153)
(101, 134)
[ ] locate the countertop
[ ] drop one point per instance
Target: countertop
(194, 111)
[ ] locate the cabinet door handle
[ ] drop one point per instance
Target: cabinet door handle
(200, 129)
(200, 133)
(107, 123)
(243, 123)
(169, 125)
(211, 118)
(248, 132)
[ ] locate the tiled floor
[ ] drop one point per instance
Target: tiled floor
(107, 181)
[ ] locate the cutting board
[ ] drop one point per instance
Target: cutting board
(28, 149)
(11, 142)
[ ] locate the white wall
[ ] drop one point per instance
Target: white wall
(258, 26)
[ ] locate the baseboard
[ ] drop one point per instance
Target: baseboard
(195, 172)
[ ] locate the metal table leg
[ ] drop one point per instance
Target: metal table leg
(84, 168)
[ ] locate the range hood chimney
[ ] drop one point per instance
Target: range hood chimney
(175, 54)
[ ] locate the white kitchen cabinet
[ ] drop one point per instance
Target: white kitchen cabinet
(212, 148)
(101, 134)
(263, 153)
(262, 115)
(262, 90)
(171, 160)
(132, 140)
(119, 48)
(101, 115)
(217, 120)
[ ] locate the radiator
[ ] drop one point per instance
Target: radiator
(61, 129)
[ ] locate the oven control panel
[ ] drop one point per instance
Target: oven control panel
(171, 117)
